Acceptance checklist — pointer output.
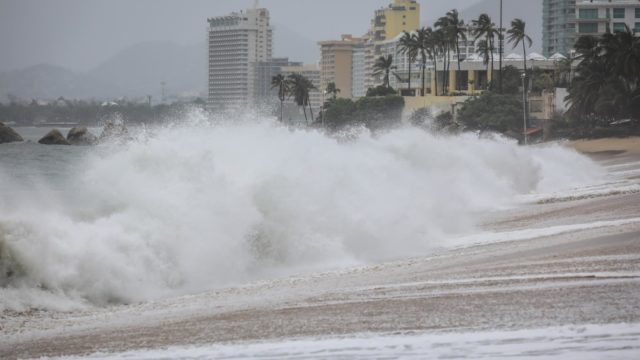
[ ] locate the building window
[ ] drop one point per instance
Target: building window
(618, 13)
(588, 28)
(618, 27)
(637, 29)
(638, 13)
(588, 13)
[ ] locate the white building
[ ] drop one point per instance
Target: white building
(237, 42)
(358, 71)
(596, 17)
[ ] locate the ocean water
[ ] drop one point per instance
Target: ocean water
(197, 205)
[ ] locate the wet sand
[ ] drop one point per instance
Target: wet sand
(578, 276)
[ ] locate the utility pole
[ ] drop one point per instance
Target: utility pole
(524, 106)
(162, 84)
(500, 47)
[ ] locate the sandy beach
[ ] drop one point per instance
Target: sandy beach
(554, 262)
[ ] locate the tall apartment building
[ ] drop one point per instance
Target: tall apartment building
(596, 17)
(336, 64)
(237, 43)
(358, 88)
(565, 20)
(558, 26)
(387, 23)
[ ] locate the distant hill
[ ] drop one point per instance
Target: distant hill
(136, 71)
(49, 82)
(139, 69)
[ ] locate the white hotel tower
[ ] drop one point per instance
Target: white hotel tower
(236, 43)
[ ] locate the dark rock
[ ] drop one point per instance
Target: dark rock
(54, 137)
(81, 136)
(8, 135)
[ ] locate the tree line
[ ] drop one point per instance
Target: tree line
(606, 85)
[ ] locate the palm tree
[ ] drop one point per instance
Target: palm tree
(483, 49)
(458, 33)
(517, 35)
(409, 46)
(333, 90)
(300, 87)
(440, 49)
(607, 81)
(383, 65)
(425, 45)
(280, 81)
(443, 28)
(484, 27)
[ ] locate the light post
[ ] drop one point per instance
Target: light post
(324, 92)
(524, 106)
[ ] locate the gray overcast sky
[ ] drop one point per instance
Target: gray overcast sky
(80, 34)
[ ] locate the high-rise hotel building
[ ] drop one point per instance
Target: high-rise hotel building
(387, 23)
(238, 42)
(337, 64)
(558, 26)
(565, 20)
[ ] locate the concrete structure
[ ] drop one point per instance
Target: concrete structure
(237, 43)
(336, 64)
(387, 23)
(596, 17)
(558, 26)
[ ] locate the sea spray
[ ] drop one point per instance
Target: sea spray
(197, 206)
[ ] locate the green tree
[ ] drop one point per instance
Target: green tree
(300, 87)
(607, 82)
(457, 30)
(333, 90)
(516, 35)
(383, 65)
(409, 46)
(483, 27)
(426, 45)
(446, 41)
(492, 112)
(483, 49)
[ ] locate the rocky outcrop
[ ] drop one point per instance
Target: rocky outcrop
(54, 137)
(8, 135)
(81, 136)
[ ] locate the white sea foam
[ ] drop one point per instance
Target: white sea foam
(197, 206)
(613, 341)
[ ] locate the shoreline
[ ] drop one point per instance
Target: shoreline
(578, 277)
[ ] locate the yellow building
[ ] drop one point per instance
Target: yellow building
(387, 23)
(336, 64)
(401, 15)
